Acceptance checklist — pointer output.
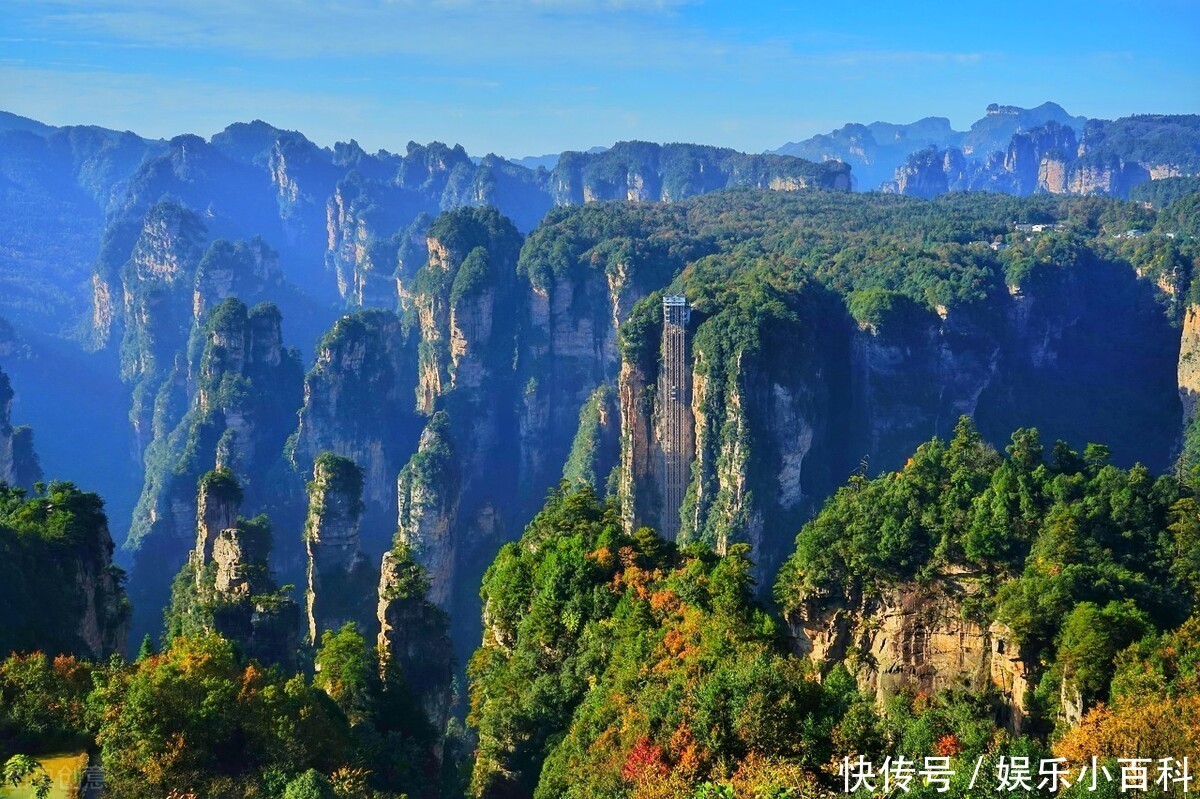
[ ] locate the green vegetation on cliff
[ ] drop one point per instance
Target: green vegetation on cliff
(247, 389)
(619, 666)
(622, 666)
(1078, 558)
(59, 590)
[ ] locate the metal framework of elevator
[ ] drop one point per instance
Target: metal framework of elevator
(675, 404)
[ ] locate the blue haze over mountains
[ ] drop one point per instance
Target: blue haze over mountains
(106, 229)
(876, 150)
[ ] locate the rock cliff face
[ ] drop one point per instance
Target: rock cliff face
(643, 171)
(238, 388)
(360, 249)
(916, 375)
(359, 404)
(1189, 364)
(341, 584)
(774, 434)
(470, 273)
(466, 382)
(1031, 155)
(765, 433)
(18, 461)
(581, 289)
(230, 406)
(429, 496)
(415, 650)
(155, 308)
(103, 625)
(218, 502)
(1103, 158)
(914, 637)
(931, 172)
(234, 269)
(60, 590)
(226, 586)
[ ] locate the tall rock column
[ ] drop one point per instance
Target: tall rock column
(1189, 364)
(415, 651)
(217, 505)
(341, 586)
(428, 500)
(18, 462)
(226, 585)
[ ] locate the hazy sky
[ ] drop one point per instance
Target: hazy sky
(521, 77)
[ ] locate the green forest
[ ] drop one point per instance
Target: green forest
(943, 503)
(626, 665)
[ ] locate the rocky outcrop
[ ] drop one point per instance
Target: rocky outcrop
(471, 272)
(1109, 176)
(59, 587)
(19, 464)
(915, 637)
(580, 293)
(341, 585)
(359, 404)
(359, 250)
(218, 501)
(429, 490)
(638, 487)
(914, 373)
(931, 172)
(642, 171)
(1061, 157)
(238, 391)
(230, 405)
(808, 395)
(103, 625)
(156, 308)
(1029, 153)
(1189, 364)
(764, 439)
(226, 586)
(415, 652)
(234, 269)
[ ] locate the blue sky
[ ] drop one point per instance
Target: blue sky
(522, 77)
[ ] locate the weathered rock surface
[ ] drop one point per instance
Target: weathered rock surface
(341, 584)
(429, 489)
(1189, 364)
(1099, 158)
(18, 461)
(776, 434)
(414, 642)
(358, 403)
(226, 586)
(914, 637)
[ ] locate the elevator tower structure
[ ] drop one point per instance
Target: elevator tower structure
(675, 404)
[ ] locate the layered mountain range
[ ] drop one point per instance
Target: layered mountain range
(458, 336)
(1013, 150)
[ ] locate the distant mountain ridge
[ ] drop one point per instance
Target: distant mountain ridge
(1013, 150)
(254, 178)
(1109, 158)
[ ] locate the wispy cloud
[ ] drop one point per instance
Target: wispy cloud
(536, 75)
(613, 35)
(455, 30)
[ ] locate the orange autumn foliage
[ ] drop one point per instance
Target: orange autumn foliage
(947, 746)
(761, 776)
(1157, 727)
